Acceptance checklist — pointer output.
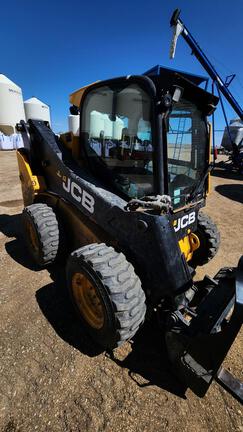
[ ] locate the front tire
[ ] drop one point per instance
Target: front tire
(106, 293)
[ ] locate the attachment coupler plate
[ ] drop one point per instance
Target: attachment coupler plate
(198, 349)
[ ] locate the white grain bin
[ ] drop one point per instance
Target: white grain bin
(97, 124)
(11, 105)
(108, 126)
(118, 127)
(36, 110)
(73, 124)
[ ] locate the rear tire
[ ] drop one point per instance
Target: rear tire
(209, 238)
(41, 233)
(106, 293)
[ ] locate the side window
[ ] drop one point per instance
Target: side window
(116, 126)
(187, 146)
(180, 136)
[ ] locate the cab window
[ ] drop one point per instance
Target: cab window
(187, 139)
(116, 130)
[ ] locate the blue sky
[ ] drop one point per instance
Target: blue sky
(51, 48)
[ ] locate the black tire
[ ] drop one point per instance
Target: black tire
(118, 289)
(209, 238)
(41, 233)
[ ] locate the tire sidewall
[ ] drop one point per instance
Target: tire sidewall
(36, 254)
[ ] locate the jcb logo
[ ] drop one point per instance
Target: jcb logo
(81, 196)
(184, 221)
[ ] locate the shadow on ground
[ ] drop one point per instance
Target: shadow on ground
(231, 191)
(148, 363)
(10, 226)
(11, 203)
(147, 360)
(53, 300)
(225, 171)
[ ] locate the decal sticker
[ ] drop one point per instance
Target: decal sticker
(184, 221)
(79, 194)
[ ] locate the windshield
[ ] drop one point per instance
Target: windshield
(117, 136)
(187, 145)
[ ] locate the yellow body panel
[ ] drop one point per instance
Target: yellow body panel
(67, 139)
(30, 183)
(75, 97)
(188, 245)
(71, 142)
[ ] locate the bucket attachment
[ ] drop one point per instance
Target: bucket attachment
(202, 334)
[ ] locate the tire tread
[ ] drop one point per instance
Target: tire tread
(211, 240)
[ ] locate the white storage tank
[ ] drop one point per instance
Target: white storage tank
(108, 126)
(73, 124)
(97, 124)
(236, 133)
(118, 127)
(12, 106)
(36, 110)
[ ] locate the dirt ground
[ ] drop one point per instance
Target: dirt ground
(51, 378)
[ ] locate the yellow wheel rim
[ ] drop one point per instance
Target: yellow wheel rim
(88, 301)
(194, 241)
(32, 236)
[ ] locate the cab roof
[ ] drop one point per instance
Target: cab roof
(167, 78)
(159, 70)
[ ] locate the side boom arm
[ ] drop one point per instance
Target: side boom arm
(180, 28)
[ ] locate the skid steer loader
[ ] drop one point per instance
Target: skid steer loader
(120, 204)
